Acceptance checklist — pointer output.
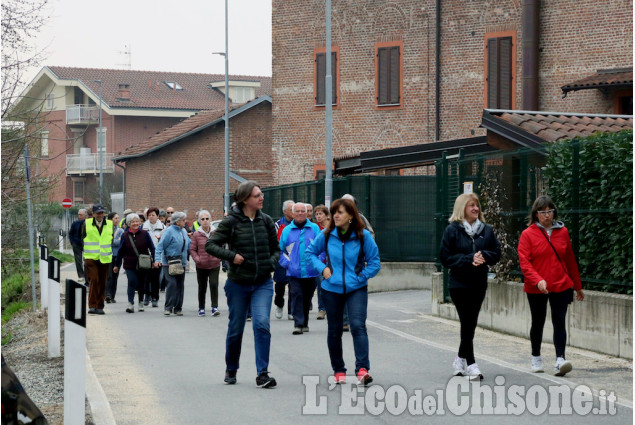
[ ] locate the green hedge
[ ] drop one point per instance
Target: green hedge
(602, 183)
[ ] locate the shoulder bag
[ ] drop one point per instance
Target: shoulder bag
(175, 264)
(144, 260)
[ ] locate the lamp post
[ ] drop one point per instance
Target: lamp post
(226, 194)
(99, 145)
(328, 180)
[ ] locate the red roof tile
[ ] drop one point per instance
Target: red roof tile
(148, 90)
(602, 78)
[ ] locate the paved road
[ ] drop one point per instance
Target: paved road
(169, 370)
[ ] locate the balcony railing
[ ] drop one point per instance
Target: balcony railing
(89, 164)
(82, 114)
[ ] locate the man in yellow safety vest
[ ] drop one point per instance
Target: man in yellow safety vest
(97, 233)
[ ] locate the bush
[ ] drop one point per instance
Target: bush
(604, 206)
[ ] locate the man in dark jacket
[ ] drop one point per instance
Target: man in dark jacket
(75, 237)
(252, 254)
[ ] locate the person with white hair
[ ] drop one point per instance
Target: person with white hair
(207, 266)
(280, 274)
(174, 245)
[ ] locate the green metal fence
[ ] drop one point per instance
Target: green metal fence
(400, 208)
(508, 182)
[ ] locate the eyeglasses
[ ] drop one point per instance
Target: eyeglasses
(168, 221)
(260, 195)
(169, 212)
(205, 219)
(543, 213)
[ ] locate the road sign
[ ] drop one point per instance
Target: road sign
(67, 203)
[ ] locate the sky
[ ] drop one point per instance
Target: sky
(161, 35)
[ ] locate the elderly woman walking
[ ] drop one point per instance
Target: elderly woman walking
(551, 275)
(207, 266)
(468, 247)
(134, 242)
(155, 228)
(171, 254)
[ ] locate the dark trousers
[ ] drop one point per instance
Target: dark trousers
(96, 273)
(559, 302)
(278, 300)
(78, 253)
(468, 303)
(205, 276)
(136, 282)
(152, 284)
(357, 304)
(174, 291)
(300, 294)
(111, 286)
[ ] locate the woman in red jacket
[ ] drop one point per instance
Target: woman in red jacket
(551, 274)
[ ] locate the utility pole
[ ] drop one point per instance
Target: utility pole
(328, 180)
(99, 147)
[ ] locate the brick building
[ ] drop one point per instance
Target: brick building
(134, 106)
(183, 166)
(385, 74)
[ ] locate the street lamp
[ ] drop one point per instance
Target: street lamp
(99, 145)
(225, 54)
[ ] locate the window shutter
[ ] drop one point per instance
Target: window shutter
(383, 56)
(505, 73)
(333, 77)
(394, 75)
(320, 65)
(492, 73)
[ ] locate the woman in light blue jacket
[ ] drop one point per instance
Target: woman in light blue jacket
(174, 244)
(352, 257)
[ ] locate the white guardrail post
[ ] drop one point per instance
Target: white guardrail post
(54, 307)
(44, 279)
(75, 354)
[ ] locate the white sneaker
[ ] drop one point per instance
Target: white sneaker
(290, 316)
(536, 364)
(460, 365)
(140, 306)
(278, 312)
(473, 372)
(562, 367)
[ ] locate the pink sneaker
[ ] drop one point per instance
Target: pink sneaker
(363, 377)
(340, 378)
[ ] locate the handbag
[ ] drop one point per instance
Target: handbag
(144, 260)
(175, 265)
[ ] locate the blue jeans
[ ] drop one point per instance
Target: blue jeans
(239, 299)
(357, 304)
(136, 282)
(319, 279)
(174, 290)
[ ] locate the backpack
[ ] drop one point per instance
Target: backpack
(361, 258)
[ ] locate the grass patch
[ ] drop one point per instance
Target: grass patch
(12, 309)
(13, 287)
(64, 258)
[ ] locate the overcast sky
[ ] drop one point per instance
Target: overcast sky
(162, 35)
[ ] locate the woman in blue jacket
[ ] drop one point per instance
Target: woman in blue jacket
(352, 257)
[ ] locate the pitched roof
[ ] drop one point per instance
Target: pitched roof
(187, 127)
(617, 77)
(532, 128)
(148, 88)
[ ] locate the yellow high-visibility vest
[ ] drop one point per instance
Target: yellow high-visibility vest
(96, 246)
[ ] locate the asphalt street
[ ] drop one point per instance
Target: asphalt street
(169, 370)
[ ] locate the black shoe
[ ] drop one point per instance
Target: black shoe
(230, 377)
(265, 381)
(92, 311)
(108, 299)
(113, 301)
(100, 311)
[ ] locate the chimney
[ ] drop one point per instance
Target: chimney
(123, 93)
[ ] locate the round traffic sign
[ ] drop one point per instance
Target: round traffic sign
(67, 203)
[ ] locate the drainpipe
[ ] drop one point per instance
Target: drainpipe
(437, 108)
(531, 36)
(124, 184)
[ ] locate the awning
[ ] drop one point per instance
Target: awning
(602, 79)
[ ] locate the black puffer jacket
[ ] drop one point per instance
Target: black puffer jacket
(457, 253)
(255, 240)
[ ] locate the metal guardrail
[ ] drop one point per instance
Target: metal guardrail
(82, 114)
(89, 164)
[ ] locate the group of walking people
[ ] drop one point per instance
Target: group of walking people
(548, 265)
(337, 255)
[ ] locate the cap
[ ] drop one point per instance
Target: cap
(127, 211)
(98, 208)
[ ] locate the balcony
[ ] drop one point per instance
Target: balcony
(82, 164)
(82, 114)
